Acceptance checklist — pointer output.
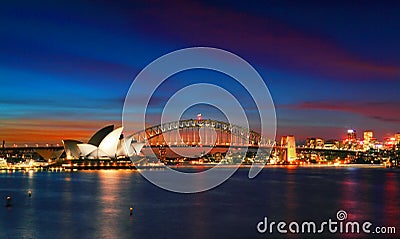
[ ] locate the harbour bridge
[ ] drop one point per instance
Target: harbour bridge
(201, 132)
(198, 136)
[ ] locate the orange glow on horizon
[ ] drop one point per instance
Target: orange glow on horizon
(42, 132)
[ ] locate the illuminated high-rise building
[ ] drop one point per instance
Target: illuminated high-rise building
(351, 135)
(389, 142)
(397, 138)
(368, 135)
(351, 140)
(368, 139)
(315, 143)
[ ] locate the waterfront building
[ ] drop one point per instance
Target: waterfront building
(389, 143)
(351, 142)
(71, 149)
(315, 143)
(351, 135)
(397, 138)
(107, 143)
(332, 144)
(369, 140)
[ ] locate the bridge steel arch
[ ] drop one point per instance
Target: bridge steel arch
(247, 137)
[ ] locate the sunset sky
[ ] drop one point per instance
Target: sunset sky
(66, 66)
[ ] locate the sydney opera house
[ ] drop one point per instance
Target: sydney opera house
(107, 143)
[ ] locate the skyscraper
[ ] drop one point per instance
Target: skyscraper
(351, 135)
(368, 136)
(351, 141)
(397, 137)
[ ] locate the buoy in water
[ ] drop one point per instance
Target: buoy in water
(8, 201)
(131, 210)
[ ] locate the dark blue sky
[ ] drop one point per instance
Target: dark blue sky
(66, 66)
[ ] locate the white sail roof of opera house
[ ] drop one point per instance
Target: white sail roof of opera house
(107, 142)
(137, 147)
(124, 147)
(107, 147)
(86, 149)
(71, 148)
(99, 136)
(128, 147)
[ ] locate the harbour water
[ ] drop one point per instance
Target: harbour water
(95, 204)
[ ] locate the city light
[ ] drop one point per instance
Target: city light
(289, 150)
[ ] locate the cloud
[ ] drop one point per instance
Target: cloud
(41, 58)
(267, 40)
(383, 111)
(83, 102)
(52, 131)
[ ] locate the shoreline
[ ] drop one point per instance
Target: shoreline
(198, 166)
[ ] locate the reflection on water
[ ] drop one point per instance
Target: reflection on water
(106, 210)
(391, 198)
(95, 204)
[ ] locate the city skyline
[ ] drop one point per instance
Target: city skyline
(66, 67)
(359, 137)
